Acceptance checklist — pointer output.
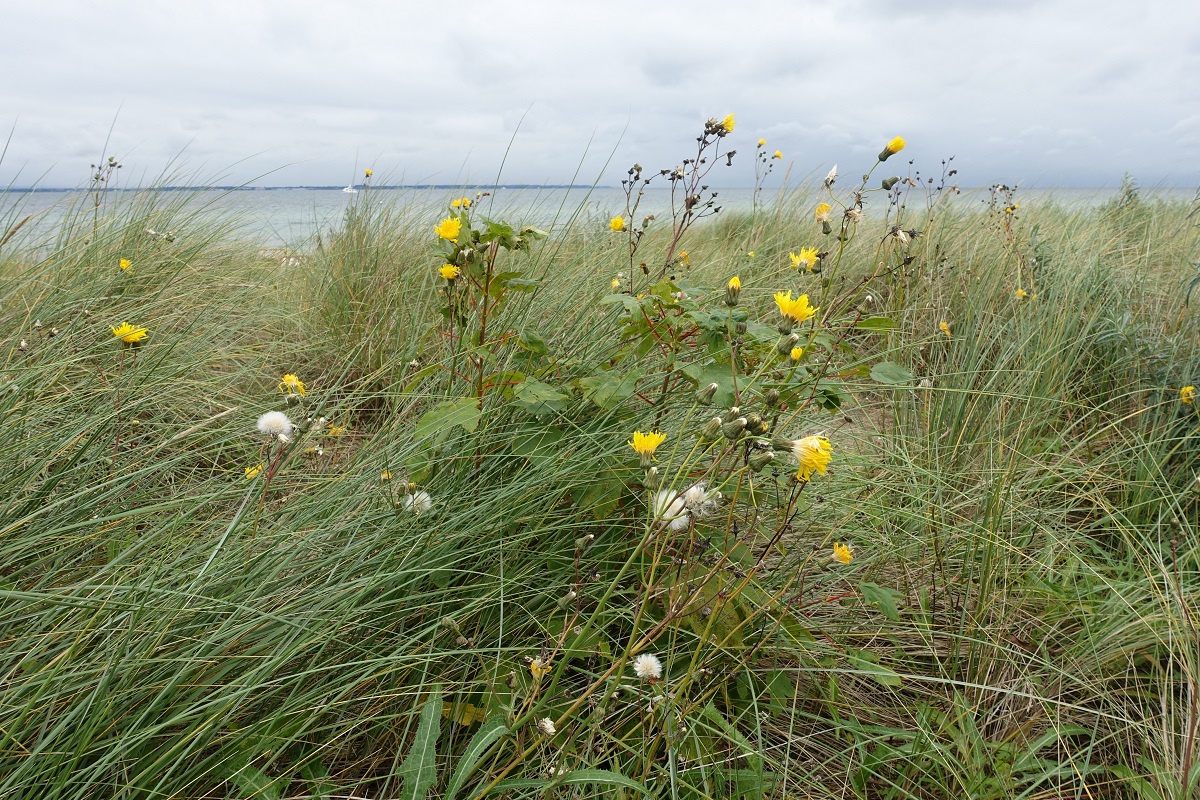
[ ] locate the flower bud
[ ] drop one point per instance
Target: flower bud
(785, 326)
(711, 429)
(740, 328)
(705, 396)
(732, 290)
(888, 183)
(786, 344)
(826, 227)
(733, 413)
(732, 430)
(760, 458)
(755, 424)
(652, 480)
(781, 443)
(771, 398)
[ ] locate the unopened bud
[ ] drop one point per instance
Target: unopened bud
(733, 413)
(705, 396)
(771, 398)
(732, 430)
(450, 624)
(755, 424)
(740, 328)
(651, 480)
(785, 326)
(567, 599)
(732, 290)
(781, 443)
(760, 458)
(584, 542)
(826, 227)
(785, 345)
(888, 183)
(711, 429)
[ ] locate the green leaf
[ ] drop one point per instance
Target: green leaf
(437, 422)
(539, 444)
(891, 373)
(540, 398)
(579, 776)
(533, 341)
(882, 675)
(608, 390)
(419, 769)
(522, 284)
(720, 374)
(253, 782)
(483, 739)
(632, 304)
(876, 324)
(881, 597)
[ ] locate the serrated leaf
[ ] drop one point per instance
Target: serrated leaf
(609, 390)
(891, 373)
(419, 768)
(720, 374)
(881, 597)
(437, 422)
(483, 739)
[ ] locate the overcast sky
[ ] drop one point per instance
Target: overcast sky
(1042, 92)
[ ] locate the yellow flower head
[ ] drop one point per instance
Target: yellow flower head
(1021, 294)
(762, 142)
(778, 154)
(369, 172)
(617, 223)
(126, 265)
(684, 257)
(797, 310)
(539, 667)
(449, 228)
(252, 472)
(892, 147)
(750, 254)
(946, 329)
(290, 384)
(735, 283)
(728, 123)
(843, 552)
(644, 444)
(449, 271)
(130, 334)
(386, 475)
(1187, 395)
(462, 202)
(822, 212)
(807, 258)
(796, 354)
(616, 284)
(813, 453)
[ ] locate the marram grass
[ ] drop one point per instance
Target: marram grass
(527, 533)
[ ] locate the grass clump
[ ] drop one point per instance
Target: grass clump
(839, 498)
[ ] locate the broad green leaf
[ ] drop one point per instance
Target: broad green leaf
(540, 398)
(533, 341)
(882, 675)
(891, 373)
(720, 374)
(876, 324)
(483, 739)
(881, 597)
(608, 390)
(437, 422)
(522, 284)
(254, 783)
(419, 769)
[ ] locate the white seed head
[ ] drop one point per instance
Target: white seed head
(647, 667)
(276, 424)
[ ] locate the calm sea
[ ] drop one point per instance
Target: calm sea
(274, 218)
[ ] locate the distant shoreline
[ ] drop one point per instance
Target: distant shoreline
(389, 187)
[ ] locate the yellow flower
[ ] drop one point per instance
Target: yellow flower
(126, 265)
(462, 202)
(129, 334)
(735, 283)
(728, 123)
(369, 172)
(1187, 395)
(616, 284)
(762, 142)
(796, 354)
(449, 271)
(843, 552)
(778, 154)
(797, 310)
(449, 228)
(822, 212)
(290, 384)
(813, 453)
(946, 329)
(891, 148)
(617, 223)
(750, 254)
(1022, 294)
(538, 668)
(335, 430)
(807, 258)
(684, 257)
(645, 444)
(386, 475)
(252, 472)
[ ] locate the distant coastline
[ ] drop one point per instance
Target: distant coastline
(487, 187)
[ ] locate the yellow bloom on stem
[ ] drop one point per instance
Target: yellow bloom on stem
(368, 172)
(813, 453)
(449, 228)
(539, 668)
(684, 257)
(617, 224)
(386, 475)
(1187, 395)
(822, 212)
(449, 271)
(1021, 294)
(130, 334)
(252, 472)
(892, 147)
(644, 444)
(843, 552)
(735, 283)
(462, 202)
(291, 384)
(126, 264)
(728, 123)
(946, 329)
(762, 142)
(807, 258)
(797, 310)
(778, 154)
(796, 354)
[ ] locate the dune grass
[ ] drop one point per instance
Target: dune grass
(189, 608)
